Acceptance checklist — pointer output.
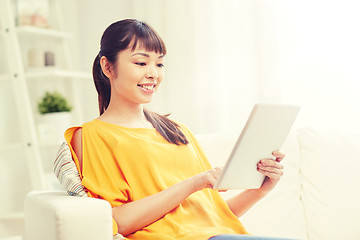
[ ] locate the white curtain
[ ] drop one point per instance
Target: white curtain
(225, 55)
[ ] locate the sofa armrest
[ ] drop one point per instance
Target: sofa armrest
(51, 215)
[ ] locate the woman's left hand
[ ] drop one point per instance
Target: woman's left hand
(272, 170)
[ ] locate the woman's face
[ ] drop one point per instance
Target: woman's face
(138, 75)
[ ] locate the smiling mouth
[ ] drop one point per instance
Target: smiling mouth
(147, 87)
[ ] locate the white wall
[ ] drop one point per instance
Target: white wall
(310, 56)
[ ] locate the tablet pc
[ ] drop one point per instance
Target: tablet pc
(265, 131)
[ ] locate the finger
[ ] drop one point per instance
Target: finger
(279, 156)
(213, 175)
(211, 179)
(271, 175)
(224, 190)
(271, 169)
(217, 171)
(271, 163)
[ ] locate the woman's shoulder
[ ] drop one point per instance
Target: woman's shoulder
(94, 124)
(75, 130)
(90, 123)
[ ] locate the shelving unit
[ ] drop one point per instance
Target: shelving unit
(20, 86)
(12, 216)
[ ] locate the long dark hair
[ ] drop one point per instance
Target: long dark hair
(118, 37)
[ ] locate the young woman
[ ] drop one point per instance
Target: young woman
(149, 168)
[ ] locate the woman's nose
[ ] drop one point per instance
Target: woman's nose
(152, 73)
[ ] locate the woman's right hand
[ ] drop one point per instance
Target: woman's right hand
(206, 179)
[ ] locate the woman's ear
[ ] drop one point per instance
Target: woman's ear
(106, 67)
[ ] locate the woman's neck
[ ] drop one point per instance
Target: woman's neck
(127, 116)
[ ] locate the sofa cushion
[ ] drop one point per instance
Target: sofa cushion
(51, 215)
(330, 177)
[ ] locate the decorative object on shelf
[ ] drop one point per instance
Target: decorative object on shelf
(55, 117)
(38, 58)
(33, 13)
(49, 59)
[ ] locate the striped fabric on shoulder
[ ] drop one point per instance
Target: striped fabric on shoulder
(118, 237)
(67, 173)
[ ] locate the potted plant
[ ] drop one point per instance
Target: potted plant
(53, 102)
(55, 114)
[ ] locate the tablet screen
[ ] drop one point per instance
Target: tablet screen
(265, 131)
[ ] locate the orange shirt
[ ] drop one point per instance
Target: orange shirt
(122, 165)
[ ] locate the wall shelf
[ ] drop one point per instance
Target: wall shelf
(54, 72)
(42, 32)
(50, 144)
(5, 77)
(11, 147)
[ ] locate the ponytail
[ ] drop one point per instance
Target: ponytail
(166, 128)
(102, 84)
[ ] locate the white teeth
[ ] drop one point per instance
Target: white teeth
(148, 87)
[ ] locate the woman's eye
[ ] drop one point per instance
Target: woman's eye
(141, 64)
(160, 65)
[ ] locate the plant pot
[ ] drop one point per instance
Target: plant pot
(53, 125)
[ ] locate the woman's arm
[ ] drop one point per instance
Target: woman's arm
(136, 215)
(76, 144)
(272, 169)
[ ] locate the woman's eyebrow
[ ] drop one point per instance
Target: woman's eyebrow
(145, 55)
(142, 54)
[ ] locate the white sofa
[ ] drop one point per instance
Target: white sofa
(318, 197)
